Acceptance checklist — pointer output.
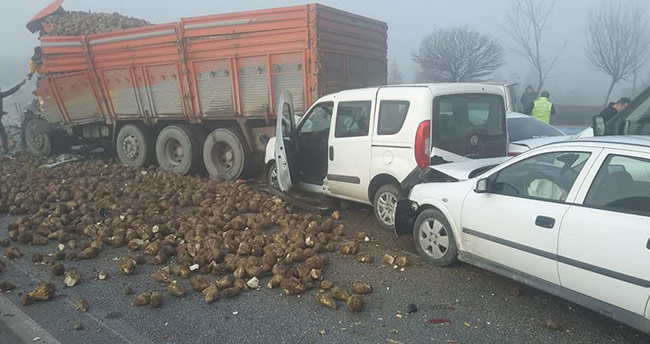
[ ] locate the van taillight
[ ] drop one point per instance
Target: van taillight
(423, 144)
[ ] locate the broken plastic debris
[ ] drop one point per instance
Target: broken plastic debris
(436, 321)
(194, 267)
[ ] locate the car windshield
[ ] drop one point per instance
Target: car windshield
(530, 128)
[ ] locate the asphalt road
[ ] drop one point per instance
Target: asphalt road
(479, 305)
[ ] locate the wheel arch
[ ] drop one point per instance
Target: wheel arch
(455, 226)
(377, 182)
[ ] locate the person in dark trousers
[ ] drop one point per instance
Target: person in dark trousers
(36, 64)
(542, 109)
(3, 135)
(528, 98)
(614, 108)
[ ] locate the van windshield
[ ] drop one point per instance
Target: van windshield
(471, 125)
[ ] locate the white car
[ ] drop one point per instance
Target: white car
(570, 218)
(366, 145)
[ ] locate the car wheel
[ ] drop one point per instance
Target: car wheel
(434, 239)
(272, 176)
(385, 204)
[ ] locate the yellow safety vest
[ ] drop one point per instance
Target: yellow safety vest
(542, 109)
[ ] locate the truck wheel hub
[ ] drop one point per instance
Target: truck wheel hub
(130, 147)
(174, 151)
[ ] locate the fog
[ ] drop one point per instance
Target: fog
(572, 82)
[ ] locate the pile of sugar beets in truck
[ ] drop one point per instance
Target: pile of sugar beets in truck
(187, 84)
(198, 95)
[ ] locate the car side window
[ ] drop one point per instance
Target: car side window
(352, 119)
(548, 176)
(622, 184)
(392, 114)
(318, 119)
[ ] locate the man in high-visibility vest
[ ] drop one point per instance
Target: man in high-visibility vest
(542, 109)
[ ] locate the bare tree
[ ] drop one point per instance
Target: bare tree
(395, 76)
(458, 54)
(528, 20)
(617, 42)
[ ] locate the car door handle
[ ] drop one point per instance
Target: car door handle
(545, 222)
(647, 245)
(331, 153)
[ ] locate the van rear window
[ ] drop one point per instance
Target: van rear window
(392, 114)
(470, 125)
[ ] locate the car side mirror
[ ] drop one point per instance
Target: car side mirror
(599, 126)
(482, 185)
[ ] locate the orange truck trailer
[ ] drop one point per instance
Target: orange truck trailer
(201, 92)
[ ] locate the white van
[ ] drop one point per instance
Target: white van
(365, 145)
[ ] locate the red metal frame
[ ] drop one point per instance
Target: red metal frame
(231, 37)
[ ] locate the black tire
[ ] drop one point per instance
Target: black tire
(272, 176)
(436, 244)
(135, 145)
(226, 155)
(179, 149)
(40, 145)
(385, 204)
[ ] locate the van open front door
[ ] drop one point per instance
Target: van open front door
(285, 145)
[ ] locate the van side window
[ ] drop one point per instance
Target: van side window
(392, 114)
(352, 119)
(623, 185)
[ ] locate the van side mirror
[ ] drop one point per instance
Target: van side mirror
(599, 126)
(482, 185)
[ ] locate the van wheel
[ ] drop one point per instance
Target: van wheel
(434, 239)
(272, 176)
(385, 204)
(226, 155)
(179, 149)
(135, 145)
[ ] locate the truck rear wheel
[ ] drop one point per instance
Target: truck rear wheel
(37, 144)
(135, 145)
(178, 149)
(226, 155)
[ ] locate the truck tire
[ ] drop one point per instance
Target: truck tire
(40, 145)
(226, 155)
(135, 145)
(179, 149)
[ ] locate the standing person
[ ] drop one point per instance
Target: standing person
(542, 109)
(528, 98)
(36, 64)
(614, 108)
(3, 134)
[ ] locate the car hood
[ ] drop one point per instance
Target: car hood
(465, 170)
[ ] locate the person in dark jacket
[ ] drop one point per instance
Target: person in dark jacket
(3, 135)
(528, 98)
(614, 108)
